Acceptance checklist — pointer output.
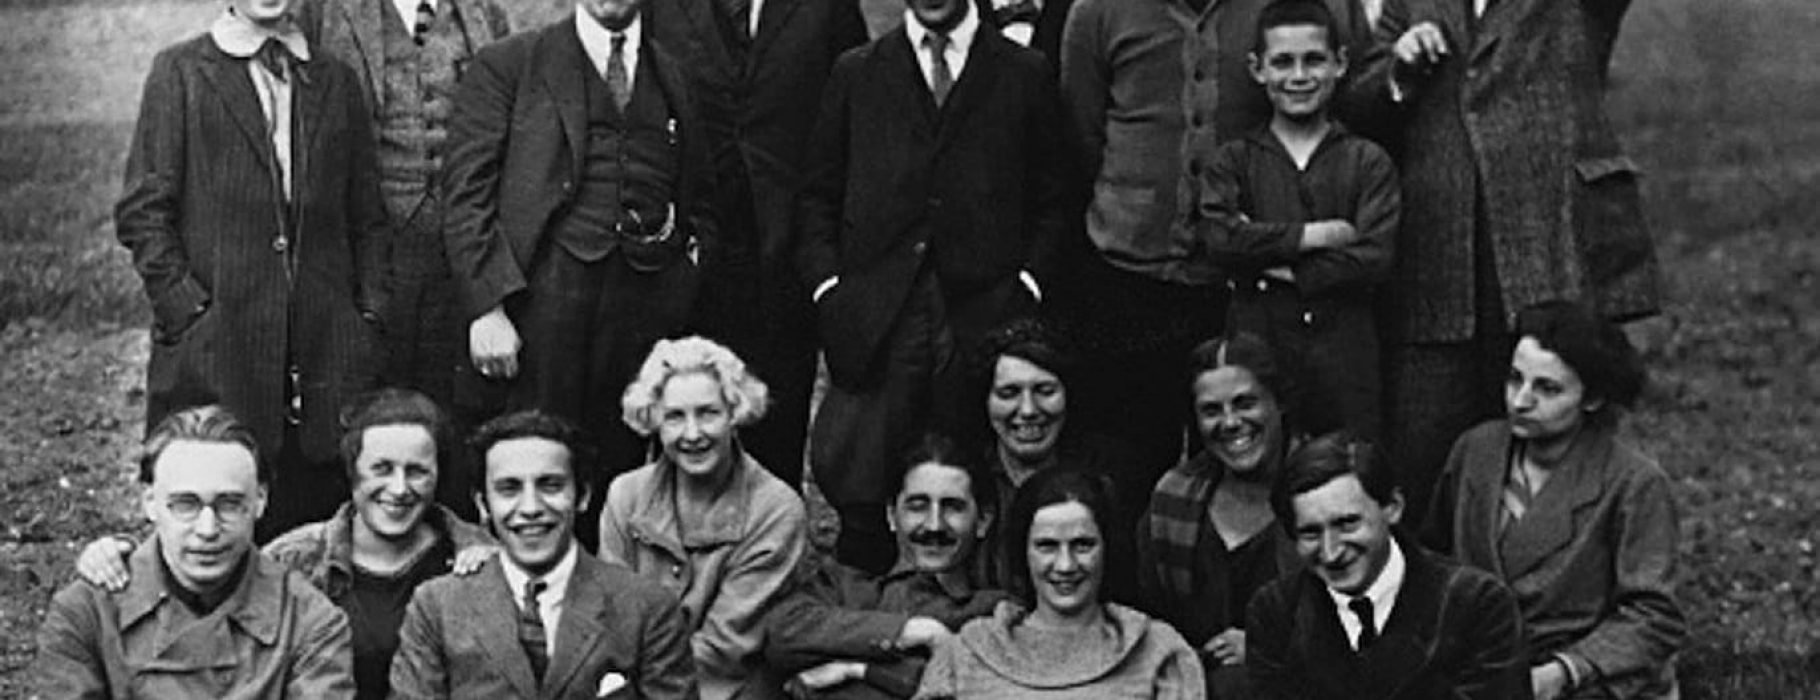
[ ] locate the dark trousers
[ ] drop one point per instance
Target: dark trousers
(1328, 347)
(587, 328)
(301, 491)
(422, 343)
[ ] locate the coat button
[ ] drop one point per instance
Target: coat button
(1263, 285)
(1307, 318)
(280, 244)
(920, 247)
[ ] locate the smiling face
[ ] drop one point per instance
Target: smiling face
(1239, 420)
(1299, 69)
(262, 12)
(394, 479)
(1543, 397)
(531, 497)
(1027, 407)
(202, 546)
(695, 425)
(936, 520)
(1067, 557)
(1343, 534)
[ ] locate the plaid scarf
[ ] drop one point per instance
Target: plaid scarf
(1173, 523)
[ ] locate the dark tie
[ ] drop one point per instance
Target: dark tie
(276, 58)
(619, 85)
(426, 15)
(941, 80)
(531, 632)
(1368, 623)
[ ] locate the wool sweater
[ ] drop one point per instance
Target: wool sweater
(1127, 655)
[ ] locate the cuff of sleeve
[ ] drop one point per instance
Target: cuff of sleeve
(821, 289)
(1579, 671)
(180, 302)
(1029, 281)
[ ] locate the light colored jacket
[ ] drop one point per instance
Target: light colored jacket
(727, 574)
(999, 657)
(275, 637)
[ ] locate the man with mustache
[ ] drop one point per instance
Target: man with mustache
(848, 634)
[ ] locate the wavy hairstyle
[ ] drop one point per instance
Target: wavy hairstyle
(748, 397)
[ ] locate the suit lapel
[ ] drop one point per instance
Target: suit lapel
(901, 68)
(492, 614)
(1549, 524)
(309, 93)
(565, 72)
(1404, 649)
(364, 20)
(229, 77)
(772, 16)
(705, 30)
(972, 86)
(584, 613)
(1482, 500)
(1325, 640)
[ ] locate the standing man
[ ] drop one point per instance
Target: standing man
(252, 212)
(938, 187)
(1371, 617)
(542, 619)
(759, 67)
(204, 615)
(1155, 86)
(1516, 192)
(577, 183)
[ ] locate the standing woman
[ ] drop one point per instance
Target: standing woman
(706, 520)
(1060, 640)
(1575, 519)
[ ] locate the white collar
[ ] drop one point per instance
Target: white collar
(240, 38)
(597, 41)
(557, 578)
(960, 38)
(1382, 592)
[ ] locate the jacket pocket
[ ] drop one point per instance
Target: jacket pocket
(1121, 213)
(1608, 217)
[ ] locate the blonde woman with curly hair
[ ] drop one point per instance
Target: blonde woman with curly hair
(704, 519)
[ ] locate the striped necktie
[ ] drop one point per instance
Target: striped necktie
(619, 83)
(941, 79)
(531, 633)
(426, 16)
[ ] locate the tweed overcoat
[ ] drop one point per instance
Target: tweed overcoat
(1509, 132)
(1592, 563)
(203, 217)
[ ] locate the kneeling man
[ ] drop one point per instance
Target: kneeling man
(542, 620)
(1372, 617)
(204, 616)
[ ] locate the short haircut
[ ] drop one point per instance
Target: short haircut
(1596, 349)
(393, 406)
(941, 449)
(742, 391)
(1285, 13)
(1032, 341)
(1062, 485)
(1324, 459)
(1250, 353)
(213, 423)
(528, 424)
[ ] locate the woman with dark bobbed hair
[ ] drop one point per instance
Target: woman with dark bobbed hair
(1060, 638)
(1574, 518)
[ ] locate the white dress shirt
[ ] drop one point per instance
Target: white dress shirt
(960, 42)
(549, 602)
(237, 37)
(597, 41)
(1382, 593)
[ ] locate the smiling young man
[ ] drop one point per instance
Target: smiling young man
(543, 619)
(205, 615)
(1371, 617)
(849, 634)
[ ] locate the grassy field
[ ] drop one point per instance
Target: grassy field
(1718, 101)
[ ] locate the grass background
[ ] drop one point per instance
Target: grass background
(1719, 101)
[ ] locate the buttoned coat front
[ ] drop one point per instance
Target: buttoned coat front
(1506, 142)
(1592, 562)
(460, 640)
(240, 285)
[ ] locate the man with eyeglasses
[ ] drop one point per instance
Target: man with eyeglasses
(204, 615)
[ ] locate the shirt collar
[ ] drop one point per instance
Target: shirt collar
(254, 605)
(597, 40)
(954, 582)
(1382, 592)
(960, 38)
(237, 37)
(556, 579)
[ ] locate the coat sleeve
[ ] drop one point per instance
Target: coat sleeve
(1645, 626)
(1224, 227)
(616, 544)
(1180, 676)
(938, 682)
(1365, 262)
(370, 233)
(482, 263)
(819, 209)
(147, 217)
(846, 27)
(68, 663)
(815, 623)
(1086, 78)
(322, 664)
(1496, 663)
(1053, 179)
(1268, 628)
(758, 572)
(666, 670)
(1438, 526)
(1367, 103)
(420, 668)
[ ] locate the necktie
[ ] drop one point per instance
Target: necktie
(531, 631)
(619, 85)
(426, 15)
(1368, 623)
(276, 58)
(941, 80)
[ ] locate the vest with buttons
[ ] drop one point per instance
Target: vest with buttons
(418, 86)
(631, 165)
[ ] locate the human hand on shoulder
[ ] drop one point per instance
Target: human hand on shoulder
(923, 632)
(103, 562)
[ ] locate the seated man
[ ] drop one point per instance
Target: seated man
(542, 619)
(204, 616)
(1373, 618)
(848, 632)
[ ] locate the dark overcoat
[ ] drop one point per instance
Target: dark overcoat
(1509, 133)
(231, 298)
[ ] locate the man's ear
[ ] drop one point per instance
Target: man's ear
(261, 496)
(1393, 511)
(1345, 61)
(1255, 66)
(584, 497)
(891, 517)
(480, 507)
(984, 525)
(148, 504)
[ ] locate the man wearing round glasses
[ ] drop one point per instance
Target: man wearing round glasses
(204, 615)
